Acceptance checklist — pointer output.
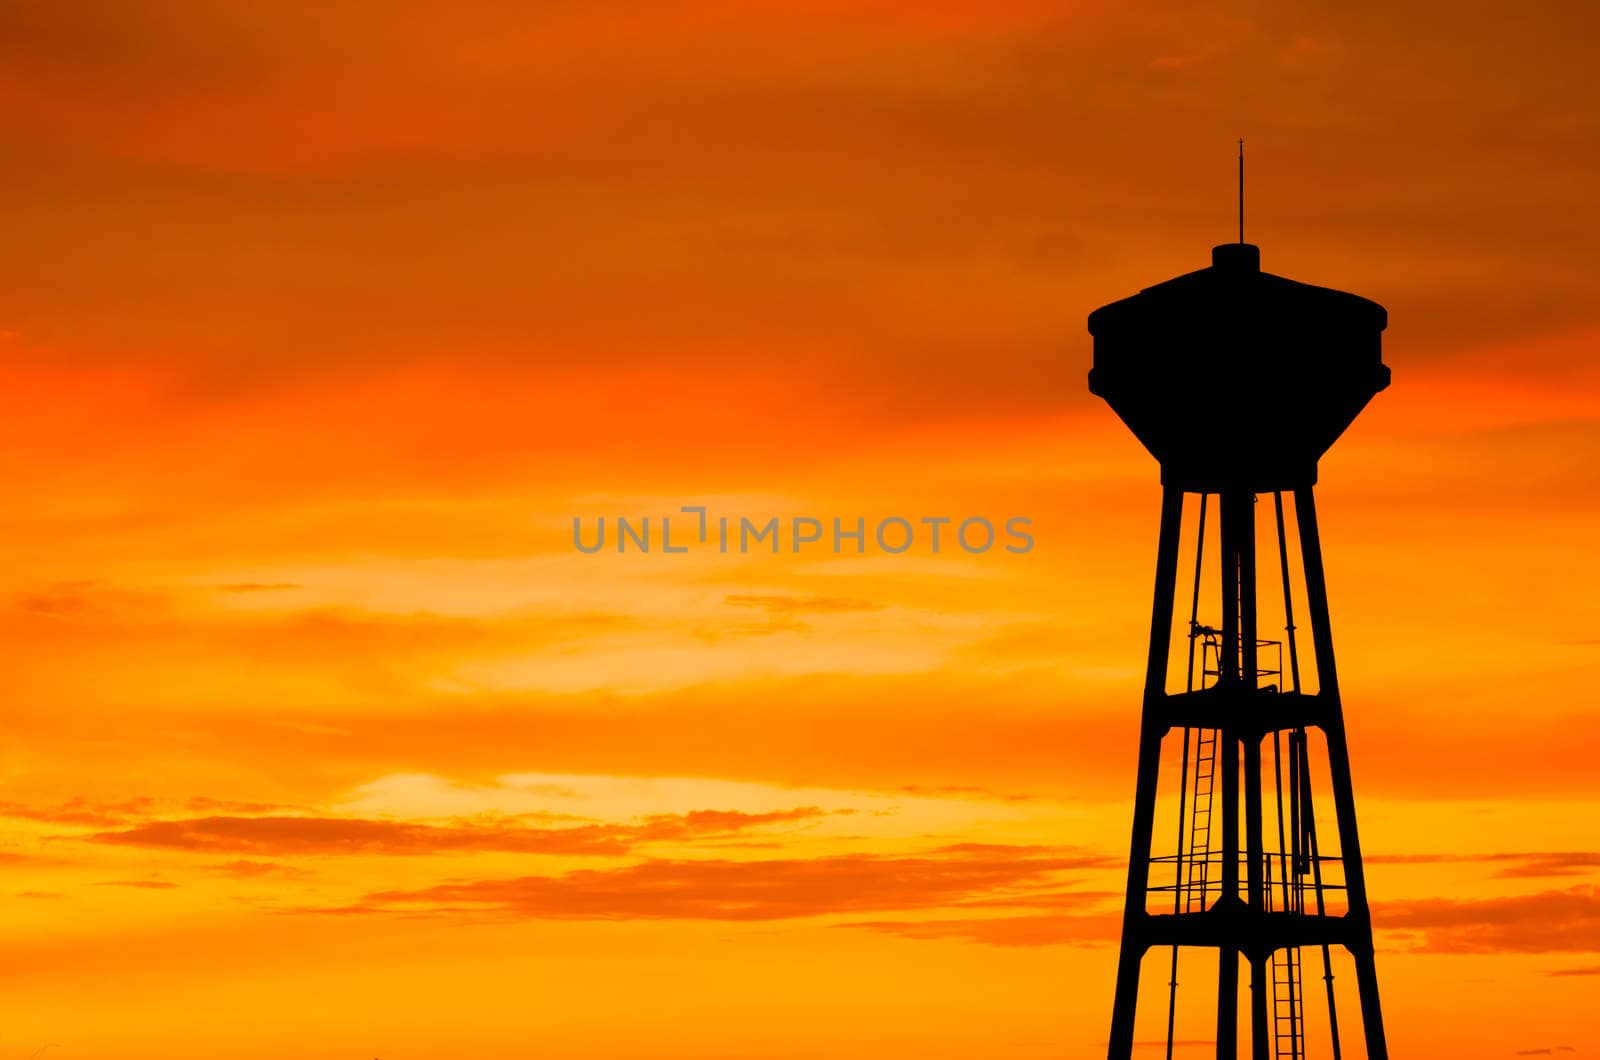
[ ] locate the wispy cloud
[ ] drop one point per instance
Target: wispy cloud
(279, 835)
(1056, 930)
(81, 811)
(755, 890)
(1514, 865)
(1549, 922)
(246, 870)
(811, 605)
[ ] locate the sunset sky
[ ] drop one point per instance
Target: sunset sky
(320, 323)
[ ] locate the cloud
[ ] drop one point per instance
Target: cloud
(81, 811)
(801, 604)
(244, 869)
(786, 614)
(84, 620)
(283, 835)
(669, 826)
(334, 835)
(1561, 863)
(1549, 922)
(962, 791)
(1520, 865)
(85, 599)
(207, 804)
(827, 730)
(1007, 931)
(1174, 62)
(92, 813)
(753, 890)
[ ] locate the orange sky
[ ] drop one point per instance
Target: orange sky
(320, 323)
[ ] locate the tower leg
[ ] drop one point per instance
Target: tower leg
(1260, 984)
(1228, 1003)
(1134, 935)
(1360, 915)
(1228, 961)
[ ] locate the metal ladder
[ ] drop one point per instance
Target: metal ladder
(1197, 883)
(1288, 1012)
(1288, 997)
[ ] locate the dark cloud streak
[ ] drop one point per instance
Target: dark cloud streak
(301, 835)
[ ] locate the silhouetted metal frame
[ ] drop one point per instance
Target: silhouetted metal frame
(1238, 716)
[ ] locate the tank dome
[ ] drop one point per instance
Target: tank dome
(1235, 378)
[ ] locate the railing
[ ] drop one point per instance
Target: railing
(1202, 878)
(1269, 658)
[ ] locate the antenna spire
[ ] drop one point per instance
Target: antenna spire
(1241, 189)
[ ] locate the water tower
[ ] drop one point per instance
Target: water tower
(1237, 381)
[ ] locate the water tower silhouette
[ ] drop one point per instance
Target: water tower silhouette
(1238, 381)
